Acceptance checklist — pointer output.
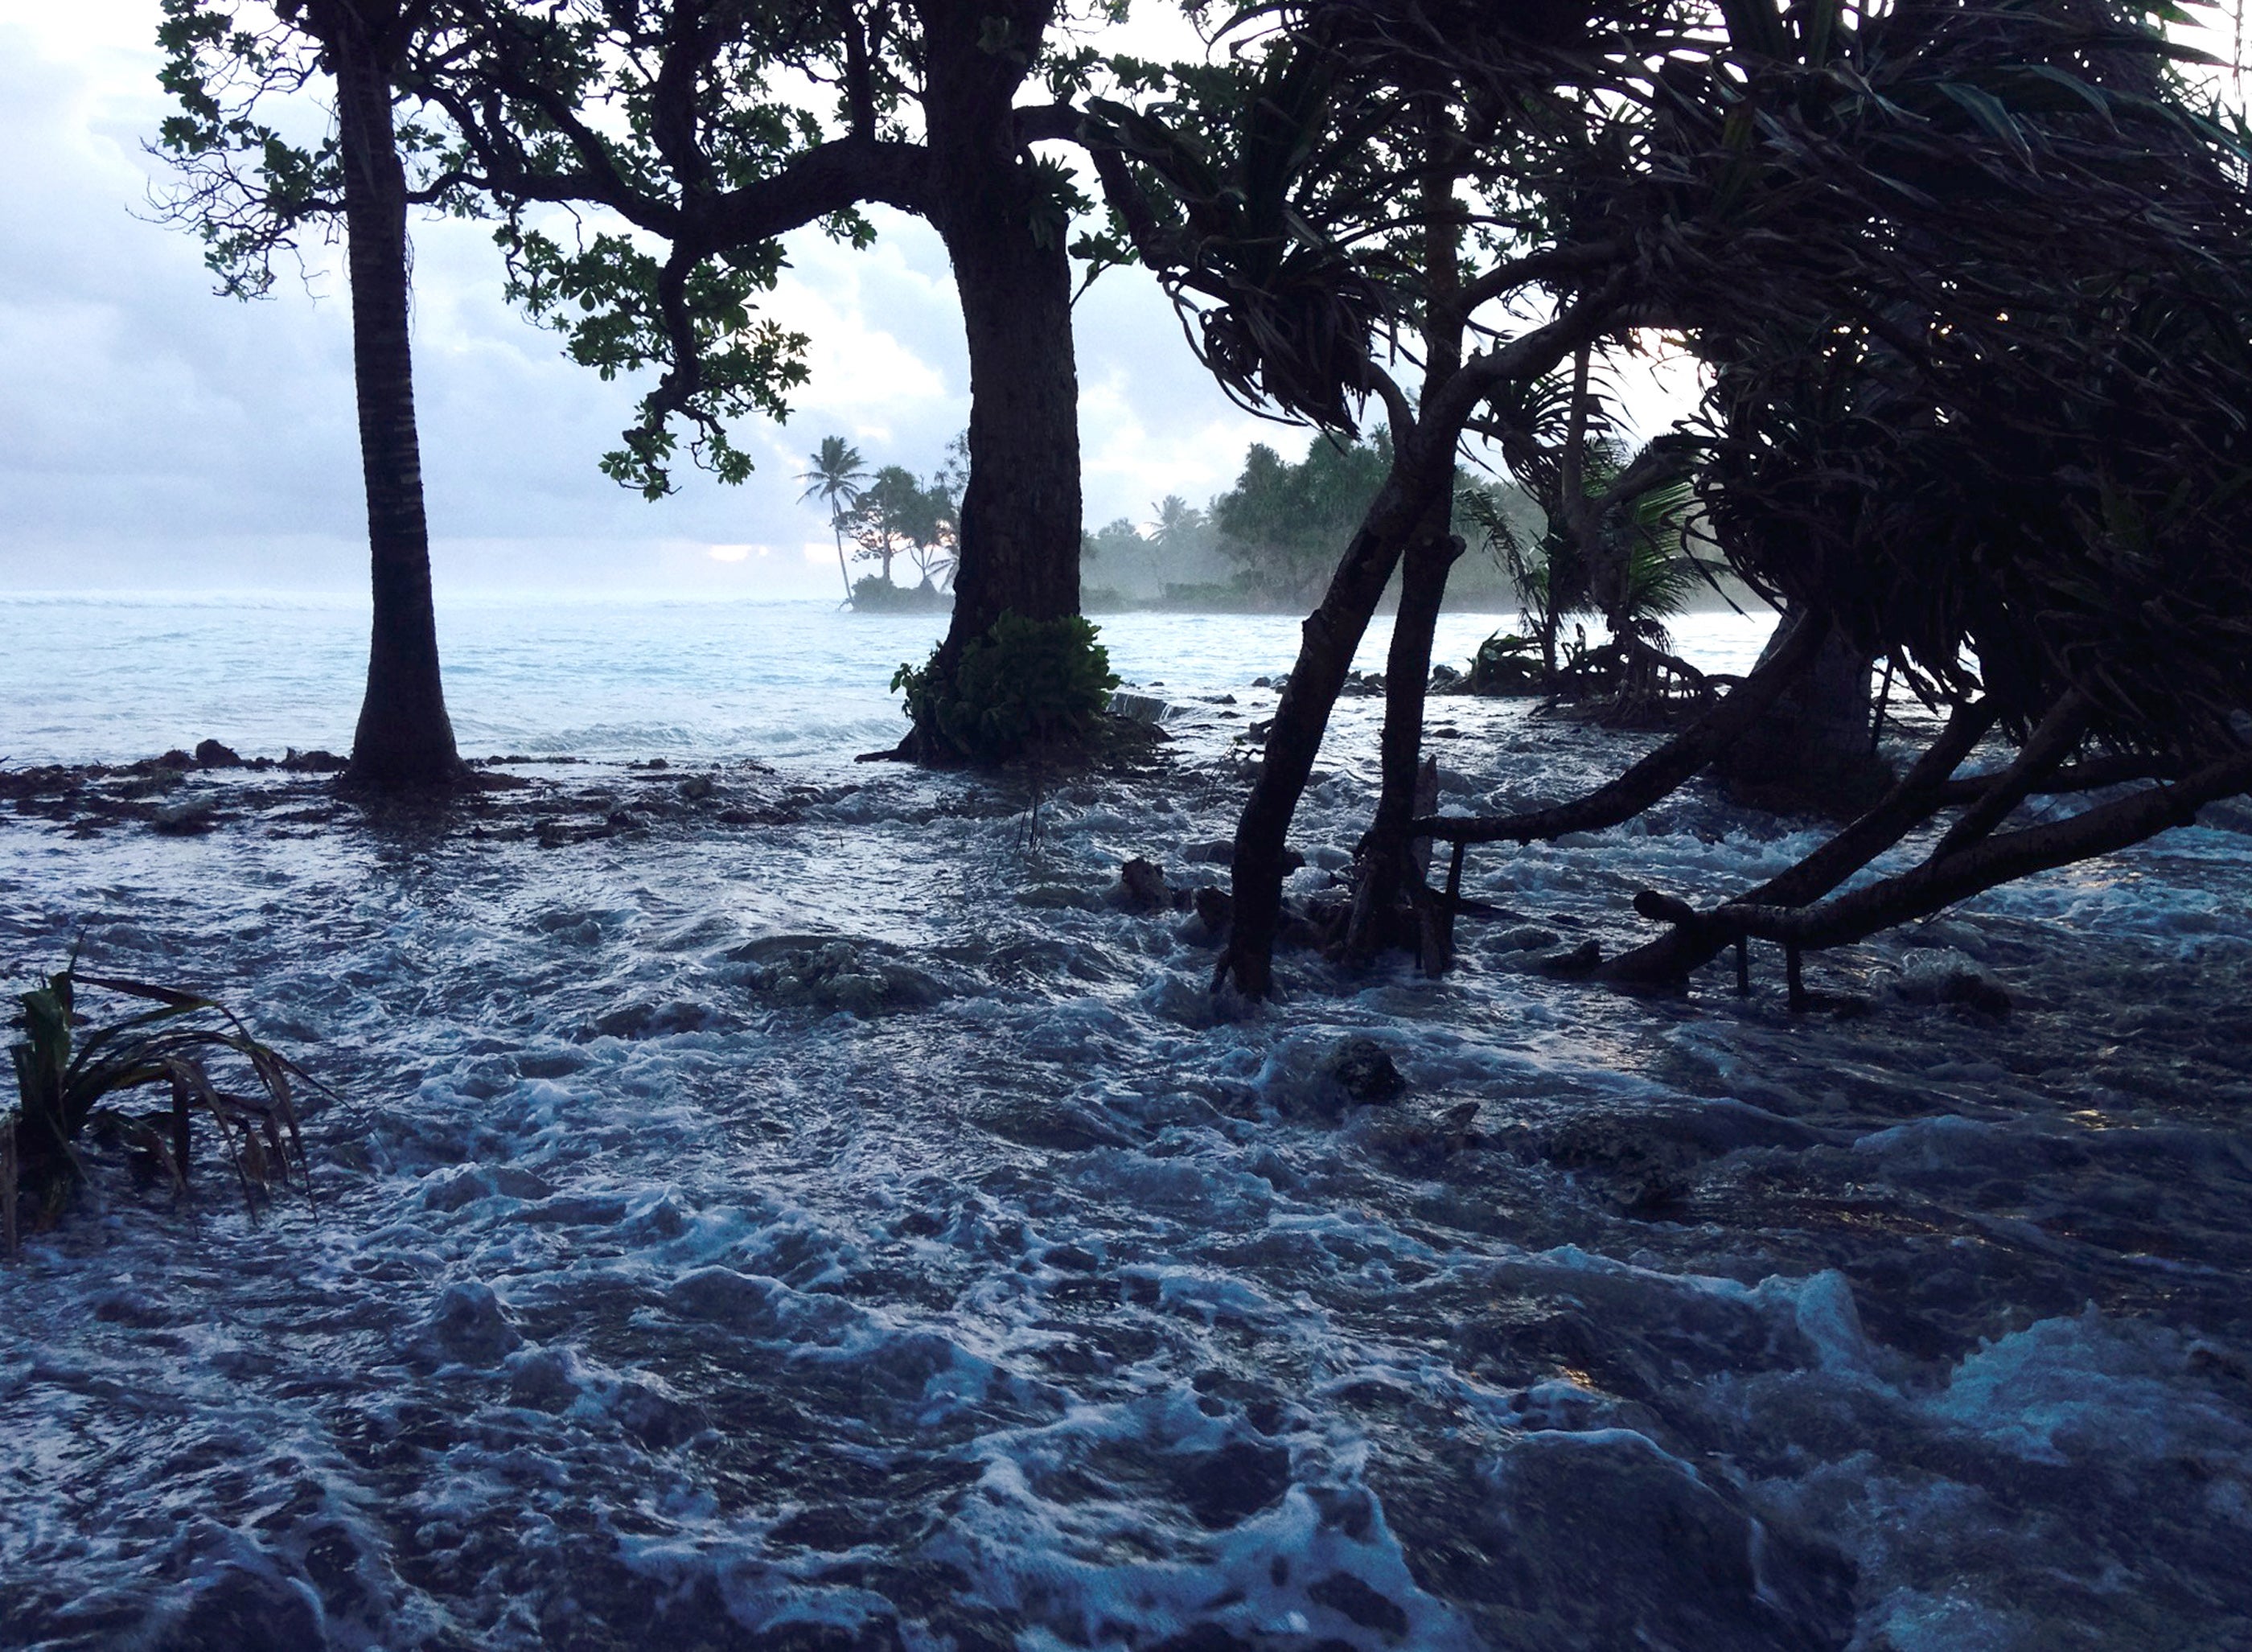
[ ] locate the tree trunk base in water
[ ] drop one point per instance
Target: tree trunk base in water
(1812, 751)
(442, 779)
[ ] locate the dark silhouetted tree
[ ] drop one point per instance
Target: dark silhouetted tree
(251, 193)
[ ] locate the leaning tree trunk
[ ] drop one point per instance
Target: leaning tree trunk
(1385, 874)
(1815, 749)
(404, 740)
(1019, 518)
(1330, 637)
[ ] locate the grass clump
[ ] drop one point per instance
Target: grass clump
(70, 1076)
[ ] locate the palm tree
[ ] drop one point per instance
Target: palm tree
(1179, 523)
(835, 480)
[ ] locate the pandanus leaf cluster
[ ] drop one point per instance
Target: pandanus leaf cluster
(73, 1081)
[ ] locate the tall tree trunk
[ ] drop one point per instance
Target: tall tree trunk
(1384, 873)
(1019, 516)
(1330, 637)
(404, 740)
(1813, 749)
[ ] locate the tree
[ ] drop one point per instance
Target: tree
(716, 157)
(833, 478)
(1615, 546)
(898, 517)
(1284, 523)
(1179, 528)
(1311, 206)
(1954, 396)
(250, 193)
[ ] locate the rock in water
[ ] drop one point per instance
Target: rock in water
(1216, 908)
(1942, 975)
(1365, 1072)
(188, 815)
(1143, 884)
(468, 1327)
(212, 754)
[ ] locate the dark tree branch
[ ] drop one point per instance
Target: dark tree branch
(1936, 884)
(2047, 747)
(1696, 940)
(1656, 775)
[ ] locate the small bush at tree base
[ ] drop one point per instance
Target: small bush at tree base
(1027, 687)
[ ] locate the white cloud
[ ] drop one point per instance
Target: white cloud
(153, 434)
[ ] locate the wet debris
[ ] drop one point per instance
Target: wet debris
(1362, 1069)
(855, 976)
(1138, 708)
(1943, 975)
(467, 1326)
(1142, 886)
(186, 816)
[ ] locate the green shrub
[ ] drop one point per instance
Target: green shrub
(1505, 665)
(68, 1084)
(1027, 687)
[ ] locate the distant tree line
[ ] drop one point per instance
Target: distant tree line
(1273, 537)
(891, 516)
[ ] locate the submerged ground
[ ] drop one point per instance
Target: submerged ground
(798, 1207)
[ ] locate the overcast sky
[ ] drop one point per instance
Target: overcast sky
(153, 436)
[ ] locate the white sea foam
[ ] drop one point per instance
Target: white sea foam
(1019, 1295)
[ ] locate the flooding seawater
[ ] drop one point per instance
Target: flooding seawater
(814, 1212)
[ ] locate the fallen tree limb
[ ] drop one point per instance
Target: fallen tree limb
(1695, 941)
(1940, 882)
(1656, 775)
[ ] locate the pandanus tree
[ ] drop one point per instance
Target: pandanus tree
(1612, 540)
(251, 192)
(1340, 199)
(1974, 285)
(1987, 413)
(704, 131)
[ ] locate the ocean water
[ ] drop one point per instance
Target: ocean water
(92, 679)
(773, 1202)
